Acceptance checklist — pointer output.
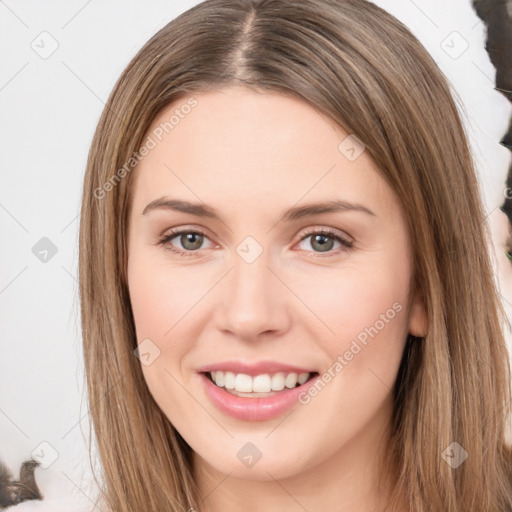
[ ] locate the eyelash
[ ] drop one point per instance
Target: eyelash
(346, 244)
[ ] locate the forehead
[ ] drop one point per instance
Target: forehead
(262, 145)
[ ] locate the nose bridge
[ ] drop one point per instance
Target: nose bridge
(252, 301)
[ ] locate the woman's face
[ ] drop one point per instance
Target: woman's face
(258, 297)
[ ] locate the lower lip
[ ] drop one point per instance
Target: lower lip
(254, 409)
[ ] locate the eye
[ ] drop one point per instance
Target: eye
(191, 241)
(323, 240)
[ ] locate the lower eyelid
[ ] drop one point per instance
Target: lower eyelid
(345, 243)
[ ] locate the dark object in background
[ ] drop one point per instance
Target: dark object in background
(497, 15)
(13, 492)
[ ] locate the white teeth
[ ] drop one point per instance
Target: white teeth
(229, 380)
(220, 378)
(243, 383)
(278, 381)
(291, 380)
(303, 377)
(261, 384)
(264, 383)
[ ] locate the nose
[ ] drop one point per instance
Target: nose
(254, 301)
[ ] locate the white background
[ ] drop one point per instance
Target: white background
(50, 107)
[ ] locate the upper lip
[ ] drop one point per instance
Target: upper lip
(253, 369)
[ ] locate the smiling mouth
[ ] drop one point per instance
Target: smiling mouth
(264, 385)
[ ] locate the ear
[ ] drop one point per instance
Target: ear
(418, 319)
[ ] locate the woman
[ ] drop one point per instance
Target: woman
(286, 294)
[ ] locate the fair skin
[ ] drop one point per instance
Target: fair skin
(251, 157)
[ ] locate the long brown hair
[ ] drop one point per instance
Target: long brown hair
(356, 63)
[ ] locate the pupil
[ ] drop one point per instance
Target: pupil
(189, 237)
(318, 238)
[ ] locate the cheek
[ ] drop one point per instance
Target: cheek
(367, 310)
(349, 299)
(363, 314)
(160, 296)
(160, 300)
(344, 304)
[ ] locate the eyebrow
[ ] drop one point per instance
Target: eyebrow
(295, 213)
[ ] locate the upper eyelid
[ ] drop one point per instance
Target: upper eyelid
(305, 233)
(346, 243)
